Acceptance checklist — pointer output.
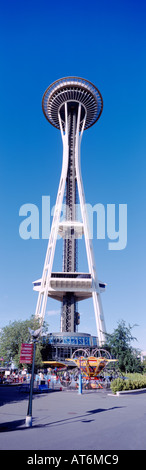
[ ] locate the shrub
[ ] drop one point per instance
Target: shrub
(117, 385)
(132, 383)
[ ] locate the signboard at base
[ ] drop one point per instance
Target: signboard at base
(26, 353)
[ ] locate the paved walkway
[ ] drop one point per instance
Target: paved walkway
(69, 421)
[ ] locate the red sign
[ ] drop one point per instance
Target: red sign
(26, 353)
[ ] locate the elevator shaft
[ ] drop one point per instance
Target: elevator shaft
(69, 307)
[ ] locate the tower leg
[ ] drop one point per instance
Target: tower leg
(100, 324)
(46, 276)
(71, 177)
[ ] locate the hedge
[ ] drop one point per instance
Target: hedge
(119, 384)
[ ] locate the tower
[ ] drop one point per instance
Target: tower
(72, 105)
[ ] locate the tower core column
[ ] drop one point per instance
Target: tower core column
(69, 304)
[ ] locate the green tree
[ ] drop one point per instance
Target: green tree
(119, 345)
(15, 333)
(144, 366)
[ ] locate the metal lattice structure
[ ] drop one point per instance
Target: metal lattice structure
(72, 105)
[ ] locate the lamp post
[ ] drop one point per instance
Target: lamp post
(80, 380)
(35, 336)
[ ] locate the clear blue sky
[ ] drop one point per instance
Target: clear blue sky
(104, 42)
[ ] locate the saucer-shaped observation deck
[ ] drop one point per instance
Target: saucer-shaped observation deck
(72, 90)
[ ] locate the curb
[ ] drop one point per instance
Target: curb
(125, 392)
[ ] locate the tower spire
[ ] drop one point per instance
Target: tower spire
(72, 105)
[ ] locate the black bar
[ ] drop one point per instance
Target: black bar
(62, 459)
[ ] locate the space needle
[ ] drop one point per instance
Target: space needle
(71, 104)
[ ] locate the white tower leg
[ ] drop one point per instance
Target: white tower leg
(99, 317)
(45, 281)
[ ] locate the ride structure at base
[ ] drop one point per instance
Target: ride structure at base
(90, 366)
